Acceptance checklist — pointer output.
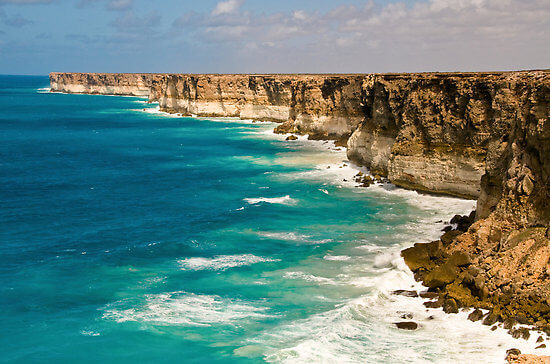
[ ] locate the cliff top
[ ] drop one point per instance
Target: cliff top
(391, 74)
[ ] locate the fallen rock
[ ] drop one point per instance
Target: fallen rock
(291, 137)
(476, 315)
(455, 219)
(490, 319)
(521, 332)
(433, 304)
(509, 323)
(441, 276)
(543, 346)
(464, 223)
(429, 295)
(513, 352)
(449, 236)
(402, 292)
(406, 325)
(459, 259)
(450, 306)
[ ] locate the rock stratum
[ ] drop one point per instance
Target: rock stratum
(474, 135)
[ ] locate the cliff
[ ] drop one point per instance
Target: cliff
(427, 132)
(501, 262)
(475, 135)
(123, 84)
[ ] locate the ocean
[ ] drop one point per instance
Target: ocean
(132, 236)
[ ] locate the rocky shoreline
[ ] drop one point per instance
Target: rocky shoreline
(484, 136)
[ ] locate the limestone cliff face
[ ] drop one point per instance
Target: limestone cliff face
(102, 83)
(431, 131)
(502, 261)
(325, 106)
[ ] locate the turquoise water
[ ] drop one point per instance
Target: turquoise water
(132, 236)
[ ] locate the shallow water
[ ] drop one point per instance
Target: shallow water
(131, 236)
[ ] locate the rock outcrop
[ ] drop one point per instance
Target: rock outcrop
(506, 250)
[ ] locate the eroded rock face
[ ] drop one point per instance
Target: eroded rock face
(323, 106)
(509, 272)
(103, 83)
(432, 132)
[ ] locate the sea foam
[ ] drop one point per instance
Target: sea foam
(184, 309)
(284, 200)
(222, 262)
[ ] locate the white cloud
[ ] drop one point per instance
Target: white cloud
(428, 35)
(227, 7)
(130, 22)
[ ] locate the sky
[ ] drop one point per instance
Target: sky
(277, 36)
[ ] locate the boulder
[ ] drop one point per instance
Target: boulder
(490, 319)
(402, 292)
(455, 219)
(464, 223)
(509, 323)
(459, 259)
(433, 304)
(406, 325)
(416, 257)
(291, 137)
(512, 354)
(441, 276)
(450, 306)
(429, 295)
(521, 332)
(475, 315)
(449, 236)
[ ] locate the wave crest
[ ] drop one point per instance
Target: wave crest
(285, 200)
(184, 309)
(222, 262)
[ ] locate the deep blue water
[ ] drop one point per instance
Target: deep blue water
(132, 236)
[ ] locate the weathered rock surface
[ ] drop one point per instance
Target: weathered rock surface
(125, 84)
(527, 359)
(406, 325)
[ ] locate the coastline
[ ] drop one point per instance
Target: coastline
(488, 207)
(413, 290)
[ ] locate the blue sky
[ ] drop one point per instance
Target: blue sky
(254, 36)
